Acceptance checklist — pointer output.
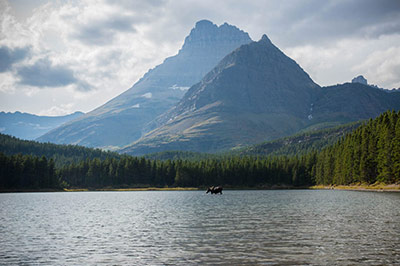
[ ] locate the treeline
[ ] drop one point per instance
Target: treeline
(27, 172)
(371, 153)
(235, 172)
(61, 154)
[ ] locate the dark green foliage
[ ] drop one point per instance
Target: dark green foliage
(27, 172)
(369, 154)
(235, 172)
(61, 154)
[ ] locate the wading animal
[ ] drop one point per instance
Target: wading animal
(214, 190)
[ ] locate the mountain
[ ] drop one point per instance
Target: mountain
(29, 126)
(257, 94)
(298, 144)
(351, 102)
(254, 94)
(121, 120)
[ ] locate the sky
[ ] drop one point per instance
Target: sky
(58, 57)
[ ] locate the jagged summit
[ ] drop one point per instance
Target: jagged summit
(255, 93)
(265, 39)
(122, 120)
(205, 33)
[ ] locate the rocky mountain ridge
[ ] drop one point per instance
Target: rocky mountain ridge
(121, 120)
(257, 94)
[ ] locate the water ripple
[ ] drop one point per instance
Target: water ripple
(184, 228)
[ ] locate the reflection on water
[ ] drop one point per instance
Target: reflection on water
(180, 228)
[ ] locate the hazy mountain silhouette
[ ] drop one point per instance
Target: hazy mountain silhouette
(29, 126)
(121, 120)
(257, 94)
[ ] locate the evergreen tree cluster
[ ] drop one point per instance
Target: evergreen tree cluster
(369, 154)
(27, 172)
(61, 154)
(234, 172)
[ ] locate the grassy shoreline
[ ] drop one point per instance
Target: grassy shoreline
(377, 187)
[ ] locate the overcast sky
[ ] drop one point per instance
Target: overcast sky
(57, 57)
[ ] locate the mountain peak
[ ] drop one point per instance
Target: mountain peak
(360, 79)
(265, 39)
(204, 23)
(205, 33)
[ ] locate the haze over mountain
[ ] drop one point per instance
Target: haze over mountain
(257, 94)
(254, 94)
(29, 126)
(121, 120)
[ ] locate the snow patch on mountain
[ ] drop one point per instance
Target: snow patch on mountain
(176, 87)
(147, 95)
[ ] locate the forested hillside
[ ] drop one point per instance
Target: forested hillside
(61, 154)
(300, 144)
(371, 153)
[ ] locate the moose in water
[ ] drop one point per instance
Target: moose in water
(214, 190)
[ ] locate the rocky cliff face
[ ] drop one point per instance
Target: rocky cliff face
(122, 120)
(257, 94)
(254, 94)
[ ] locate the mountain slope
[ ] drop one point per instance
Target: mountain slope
(121, 120)
(254, 94)
(351, 102)
(29, 126)
(301, 143)
(257, 94)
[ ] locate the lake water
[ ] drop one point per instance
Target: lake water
(289, 227)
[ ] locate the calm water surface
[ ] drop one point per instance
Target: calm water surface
(290, 227)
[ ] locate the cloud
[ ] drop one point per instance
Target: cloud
(103, 32)
(44, 74)
(9, 56)
(90, 51)
(63, 109)
(382, 67)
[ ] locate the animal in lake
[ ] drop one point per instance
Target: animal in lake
(214, 190)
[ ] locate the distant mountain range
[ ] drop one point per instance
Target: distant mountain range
(257, 94)
(221, 91)
(123, 119)
(29, 126)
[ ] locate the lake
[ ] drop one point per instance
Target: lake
(290, 227)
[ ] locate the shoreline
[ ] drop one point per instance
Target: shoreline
(354, 187)
(361, 187)
(98, 189)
